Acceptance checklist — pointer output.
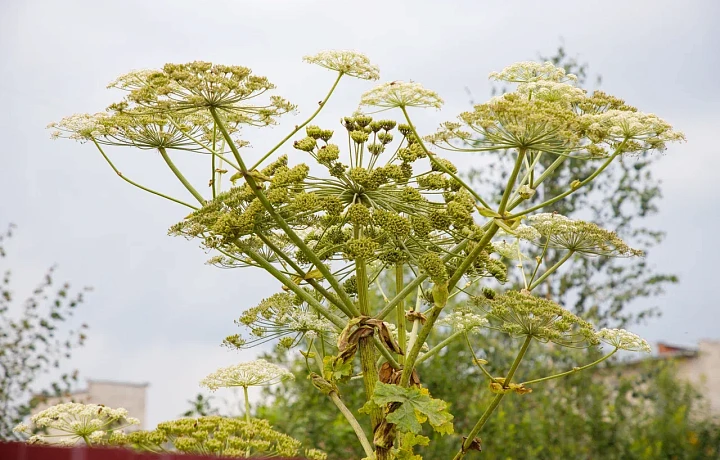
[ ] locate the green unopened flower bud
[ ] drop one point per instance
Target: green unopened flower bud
(404, 129)
(363, 120)
(328, 153)
(385, 138)
(421, 226)
(350, 285)
(326, 134)
(388, 124)
(349, 123)
(411, 194)
(361, 248)
(332, 205)
(358, 214)
(307, 144)
(574, 185)
(431, 264)
(313, 131)
(376, 126)
(375, 149)
(441, 164)
(359, 137)
(440, 220)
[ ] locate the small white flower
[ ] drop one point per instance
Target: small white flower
(97, 436)
(623, 340)
(530, 71)
(348, 62)
(508, 250)
(464, 321)
(248, 374)
(21, 428)
(401, 94)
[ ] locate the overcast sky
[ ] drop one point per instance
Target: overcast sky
(158, 313)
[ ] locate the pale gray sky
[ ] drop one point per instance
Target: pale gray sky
(158, 313)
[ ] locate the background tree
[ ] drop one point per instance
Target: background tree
(34, 341)
(599, 289)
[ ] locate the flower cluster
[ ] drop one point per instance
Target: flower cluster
(547, 113)
(530, 71)
(218, 436)
(282, 316)
(398, 94)
(248, 374)
(579, 236)
(70, 423)
(467, 321)
(349, 63)
(623, 340)
(522, 314)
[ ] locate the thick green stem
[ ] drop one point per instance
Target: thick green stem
(299, 127)
(141, 187)
(511, 181)
(312, 257)
(247, 404)
(367, 447)
(366, 346)
(400, 317)
(550, 270)
(495, 402)
(571, 371)
(180, 176)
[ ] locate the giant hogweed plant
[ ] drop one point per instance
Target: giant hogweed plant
(378, 200)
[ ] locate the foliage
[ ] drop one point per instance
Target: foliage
(33, 342)
(387, 206)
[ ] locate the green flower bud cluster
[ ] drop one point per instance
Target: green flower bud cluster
(432, 264)
(328, 154)
(393, 224)
(307, 144)
(220, 436)
(361, 248)
(282, 315)
(316, 133)
(358, 214)
(522, 314)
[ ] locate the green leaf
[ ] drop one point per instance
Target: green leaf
(416, 406)
(336, 370)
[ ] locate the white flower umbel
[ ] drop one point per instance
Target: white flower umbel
(398, 94)
(79, 127)
(69, 423)
(249, 374)
(579, 236)
(626, 124)
(464, 321)
(623, 340)
(529, 71)
(347, 62)
(133, 80)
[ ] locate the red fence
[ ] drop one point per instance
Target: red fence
(22, 451)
